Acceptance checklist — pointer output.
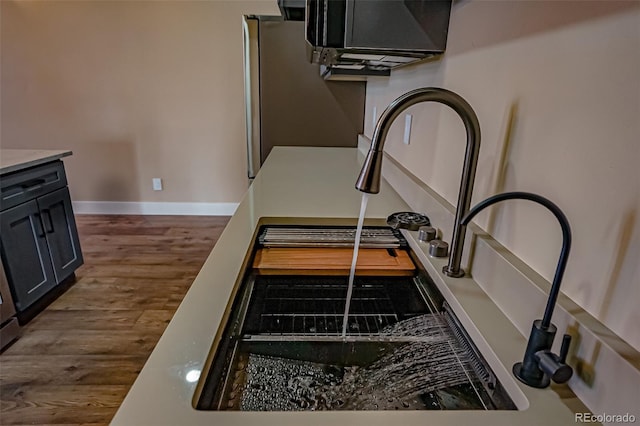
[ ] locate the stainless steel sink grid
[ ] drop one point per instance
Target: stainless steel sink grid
(282, 349)
(292, 236)
(293, 306)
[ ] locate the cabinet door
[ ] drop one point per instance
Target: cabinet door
(25, 254)
(61, 232)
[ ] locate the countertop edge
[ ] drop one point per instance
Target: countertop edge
(29, 158)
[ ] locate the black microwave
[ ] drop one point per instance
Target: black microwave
(418, 26)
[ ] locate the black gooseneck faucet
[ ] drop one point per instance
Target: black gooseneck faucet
(369, 178)
(540, 365)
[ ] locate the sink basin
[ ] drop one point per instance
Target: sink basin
(282, 348)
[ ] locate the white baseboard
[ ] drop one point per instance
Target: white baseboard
(154, 208)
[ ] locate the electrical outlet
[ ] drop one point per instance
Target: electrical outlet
(407, 129)
(157, 184)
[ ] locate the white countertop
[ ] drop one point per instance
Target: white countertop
(12, 160)
(316, 183)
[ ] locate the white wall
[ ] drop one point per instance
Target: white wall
(556, 86)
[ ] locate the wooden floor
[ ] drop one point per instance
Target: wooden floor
(76, 360)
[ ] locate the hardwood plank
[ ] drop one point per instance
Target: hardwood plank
(99, 259)
(81, 279)
(87, 220)
(128, 283)
(74, 424)
(191, 232)
(86, 319)
(47, 396)
(171, 247)
(57, 416)
(193, 221)
(154, 319)
(76, 360)
(132, 229)
(86, 342)
(71, 369)
(161, 242)
(131, 287)
(173, 302)
(168, 285)
(101, 300)
(165, 271)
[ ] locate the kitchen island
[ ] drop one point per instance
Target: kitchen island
(39, 242)
(315, 185)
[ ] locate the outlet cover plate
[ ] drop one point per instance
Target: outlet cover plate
(157, 184)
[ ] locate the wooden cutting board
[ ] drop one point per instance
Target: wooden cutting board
(332, 261)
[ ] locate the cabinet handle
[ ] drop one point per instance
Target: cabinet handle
(38, 225)
(47, 214)
(33, 184)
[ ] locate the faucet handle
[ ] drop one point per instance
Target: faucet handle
(554, 365)
(438, 248)
(426, 233)
(564, 349)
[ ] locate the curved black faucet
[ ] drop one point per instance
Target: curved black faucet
(369, 178)
(540, 364)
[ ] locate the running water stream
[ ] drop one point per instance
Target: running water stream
(354, 260)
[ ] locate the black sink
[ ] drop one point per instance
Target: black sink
(404, 349)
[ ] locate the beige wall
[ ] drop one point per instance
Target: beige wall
(137, 89)
(556, 86)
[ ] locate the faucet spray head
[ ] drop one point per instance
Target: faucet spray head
(369, 179)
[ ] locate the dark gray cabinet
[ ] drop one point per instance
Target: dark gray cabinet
(38, 237)
(60, 230)
(26, 254)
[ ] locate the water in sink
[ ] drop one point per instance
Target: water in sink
(429, 371)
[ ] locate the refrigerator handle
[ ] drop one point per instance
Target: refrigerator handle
(253, 133)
